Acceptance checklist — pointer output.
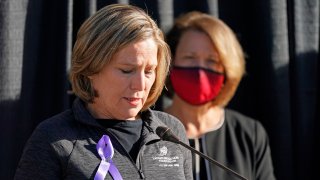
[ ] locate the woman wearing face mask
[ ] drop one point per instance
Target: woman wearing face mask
(208, 64)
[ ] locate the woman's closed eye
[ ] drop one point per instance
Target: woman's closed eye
(212, 62)
(126, 71)
(189, 57)
(129, 71)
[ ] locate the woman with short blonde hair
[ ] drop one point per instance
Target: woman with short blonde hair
(119, 65)
(100, 37)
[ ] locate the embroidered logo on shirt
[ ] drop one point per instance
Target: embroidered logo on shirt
(163, 151)
(164, 160)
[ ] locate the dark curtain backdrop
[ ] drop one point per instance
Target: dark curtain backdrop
(280, 89)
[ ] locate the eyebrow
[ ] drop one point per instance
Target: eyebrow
(134, 64)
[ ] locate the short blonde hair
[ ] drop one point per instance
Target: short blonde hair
(105, 33)
(225, 43)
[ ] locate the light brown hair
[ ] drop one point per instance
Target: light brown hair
(225, 42)
(105, 33)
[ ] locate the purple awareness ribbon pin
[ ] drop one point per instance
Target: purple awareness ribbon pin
(105, 150)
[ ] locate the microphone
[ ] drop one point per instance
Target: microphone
(166, 134)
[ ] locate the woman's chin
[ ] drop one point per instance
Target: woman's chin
(132, 114)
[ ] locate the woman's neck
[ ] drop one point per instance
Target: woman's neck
(197, 120)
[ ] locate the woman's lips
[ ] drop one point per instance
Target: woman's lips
(134, 101)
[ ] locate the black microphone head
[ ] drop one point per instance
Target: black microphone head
(166, 134)
(161, 130)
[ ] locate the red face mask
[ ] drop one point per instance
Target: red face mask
(196, 85)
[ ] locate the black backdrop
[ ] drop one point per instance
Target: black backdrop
(280, 89)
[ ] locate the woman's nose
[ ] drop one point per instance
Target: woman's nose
(138, 81)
